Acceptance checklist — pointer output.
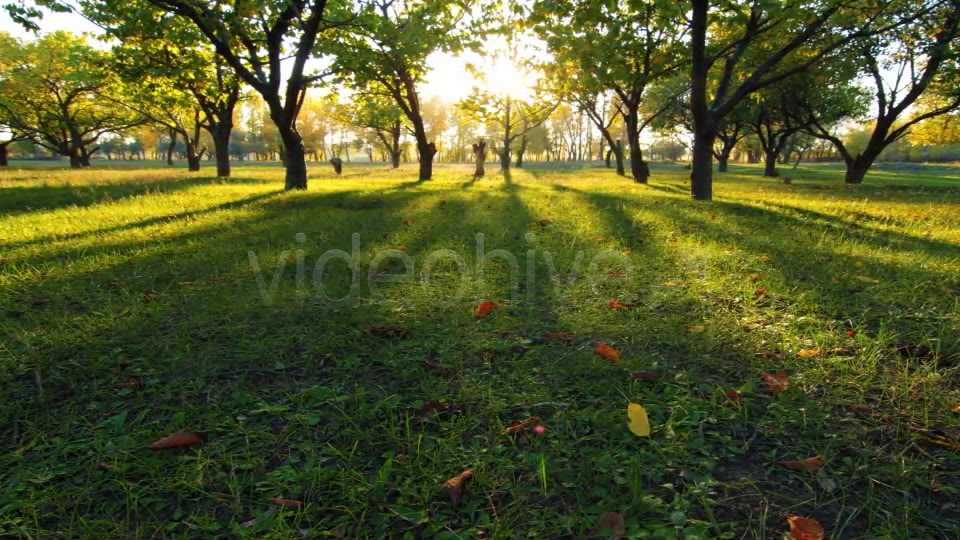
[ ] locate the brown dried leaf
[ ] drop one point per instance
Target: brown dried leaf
(517, 427)
(809, 464)
(178, 440)
(455, 486)
(611, 525)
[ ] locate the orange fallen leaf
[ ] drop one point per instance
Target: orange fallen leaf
(644, 375)
(808, 353)
(670, 283)
(802, 528)
(402, 248)
(955, 408)
(517, 427)
(755, 277)
(809, 464)
(178, 440)
(610, 522)
(606, 352)
(455, 486)
(289, 503)
(851, 333)
(776, 383)
(760, 292)
(408, 222)
(599, 239)
(484, 308)
(614, 304)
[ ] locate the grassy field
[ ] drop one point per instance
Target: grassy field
(130, 309)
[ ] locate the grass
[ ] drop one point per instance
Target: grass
(111, 277)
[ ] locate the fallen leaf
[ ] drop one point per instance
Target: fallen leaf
(408, 222)
(540, 430)
(599, 239)
(778, 383)
(670, 283)
(808, 353)
(644, 375)
(734, 396)
(614, 304)
(639, 423)
(455, 486)
(802, 528)
(866, 279)
(517, 427)
(859, 264)
(401, 248)
(388, 331)
(558, 335)
(851, 333)
(755, 277)
(611, 525)
(105, 467)
(935, 436)
(484, 308)
(114, 284)
(401, 458)
(616, 274)
(696, 329)
(435, 366)
(289, 503)
(606, 352)
(955, 408)
(760, 292)
(809, 464)
(178, 440)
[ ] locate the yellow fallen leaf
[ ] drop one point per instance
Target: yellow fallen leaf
(639, 424)
(859, 264)
(808, 353)
(866, 279)
(696, 329)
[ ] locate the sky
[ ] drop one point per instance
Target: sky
(448, 77)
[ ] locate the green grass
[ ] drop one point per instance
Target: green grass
(118, 276)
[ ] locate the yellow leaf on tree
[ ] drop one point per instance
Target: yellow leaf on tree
(639, 424)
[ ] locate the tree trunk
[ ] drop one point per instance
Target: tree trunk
(193, 157)
(395, 148)
(295, 157)
(480, 152)
(171, 146)
(857, 170)
(521, 151)
(638, 168)
(504, 155)
(4, 155)
(221, 149)
(427, 151)
(75, 162)
(770, 164)
(701, 165)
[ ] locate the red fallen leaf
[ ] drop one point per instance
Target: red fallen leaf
(435, 366)
(455, 486)
(734, 396)
(606, 352)
(802, 528)
(616, 274)
(614, 304)
(558, 335)
(408, 222)
(178, 440)
(517, 427)
(388, 331)
(644, 375)
(484, 308)
(136, 385)
(809, 464)
(851, 333)
(776, 383)
(289, 503)
(610, 522)
(760, 292)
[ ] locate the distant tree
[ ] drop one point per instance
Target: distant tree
(510, 118)
(60, 92)
(381, 115)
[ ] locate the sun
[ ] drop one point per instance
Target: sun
(502, 76)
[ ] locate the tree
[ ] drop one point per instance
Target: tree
(59, 92)
(510, 117)
(754, 45)
(389, 46)
(382, 116)
(918, 55)
(623, 48)
(254, 39)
